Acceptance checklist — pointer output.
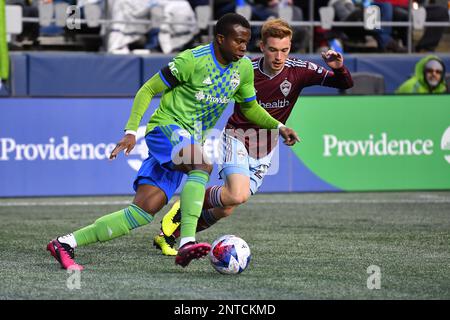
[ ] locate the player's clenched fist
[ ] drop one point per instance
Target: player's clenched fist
(333, 59)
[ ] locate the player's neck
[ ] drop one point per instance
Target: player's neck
(268, 70)
(220, 59)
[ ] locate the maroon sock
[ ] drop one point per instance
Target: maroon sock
(206, 202)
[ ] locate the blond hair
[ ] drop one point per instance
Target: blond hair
(276, 28)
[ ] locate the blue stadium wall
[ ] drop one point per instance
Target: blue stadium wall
(103, 75)
(60, 114)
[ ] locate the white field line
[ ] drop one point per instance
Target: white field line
(256, 201)
(62, 203)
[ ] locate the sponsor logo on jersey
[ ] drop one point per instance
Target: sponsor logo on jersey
(173, 69)
(200, 96)
(241, 154)
(285, 87)
(274, 104)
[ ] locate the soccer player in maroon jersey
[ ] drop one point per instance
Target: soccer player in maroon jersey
(247, 149)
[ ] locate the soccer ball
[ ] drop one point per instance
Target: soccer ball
(230, 254)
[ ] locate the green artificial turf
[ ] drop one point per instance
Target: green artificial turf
(304, 246)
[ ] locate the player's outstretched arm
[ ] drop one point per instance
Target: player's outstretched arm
(259, 116)
(141, 102)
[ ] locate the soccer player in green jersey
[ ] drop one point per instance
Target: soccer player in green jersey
(247, 150)
(197, 85)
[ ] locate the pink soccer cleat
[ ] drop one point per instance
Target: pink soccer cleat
(64, 254)
(191, 250)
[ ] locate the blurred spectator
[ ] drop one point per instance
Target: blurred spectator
(203, 34)
(384, 36)
(221, 7)
(321, 36)
(30, 30)
(196, 3)
(53, 29)
(266, 9)
(177, 25)
(391, 10)
(121, 36)
(429, 77)
(353, 10)
(436, 12)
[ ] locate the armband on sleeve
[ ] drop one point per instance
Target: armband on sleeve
(168, 78)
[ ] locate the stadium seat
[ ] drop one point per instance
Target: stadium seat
(13, 19)
(286, 12)
(203, 14)
(93, 13)
(60, 9)
(326, 17)
(244, 10)
(45, 13)
(366, 83)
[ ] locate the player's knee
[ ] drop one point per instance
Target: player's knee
(239, 198)
(148, 205)
(150, 199)
(206, 167)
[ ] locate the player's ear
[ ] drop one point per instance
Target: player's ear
(220, 38)
(261, 45)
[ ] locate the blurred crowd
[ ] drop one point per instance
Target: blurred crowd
(169, 26)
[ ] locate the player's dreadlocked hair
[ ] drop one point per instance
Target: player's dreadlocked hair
(275, 28)
(224, 24)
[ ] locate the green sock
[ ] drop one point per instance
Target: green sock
(113, 225)
(192, 201)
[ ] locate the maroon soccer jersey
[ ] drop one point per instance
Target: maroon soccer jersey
(278, 95)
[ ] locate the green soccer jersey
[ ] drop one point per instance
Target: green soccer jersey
(203, 90)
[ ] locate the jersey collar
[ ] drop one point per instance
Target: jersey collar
(221, 69)
(261, 69)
